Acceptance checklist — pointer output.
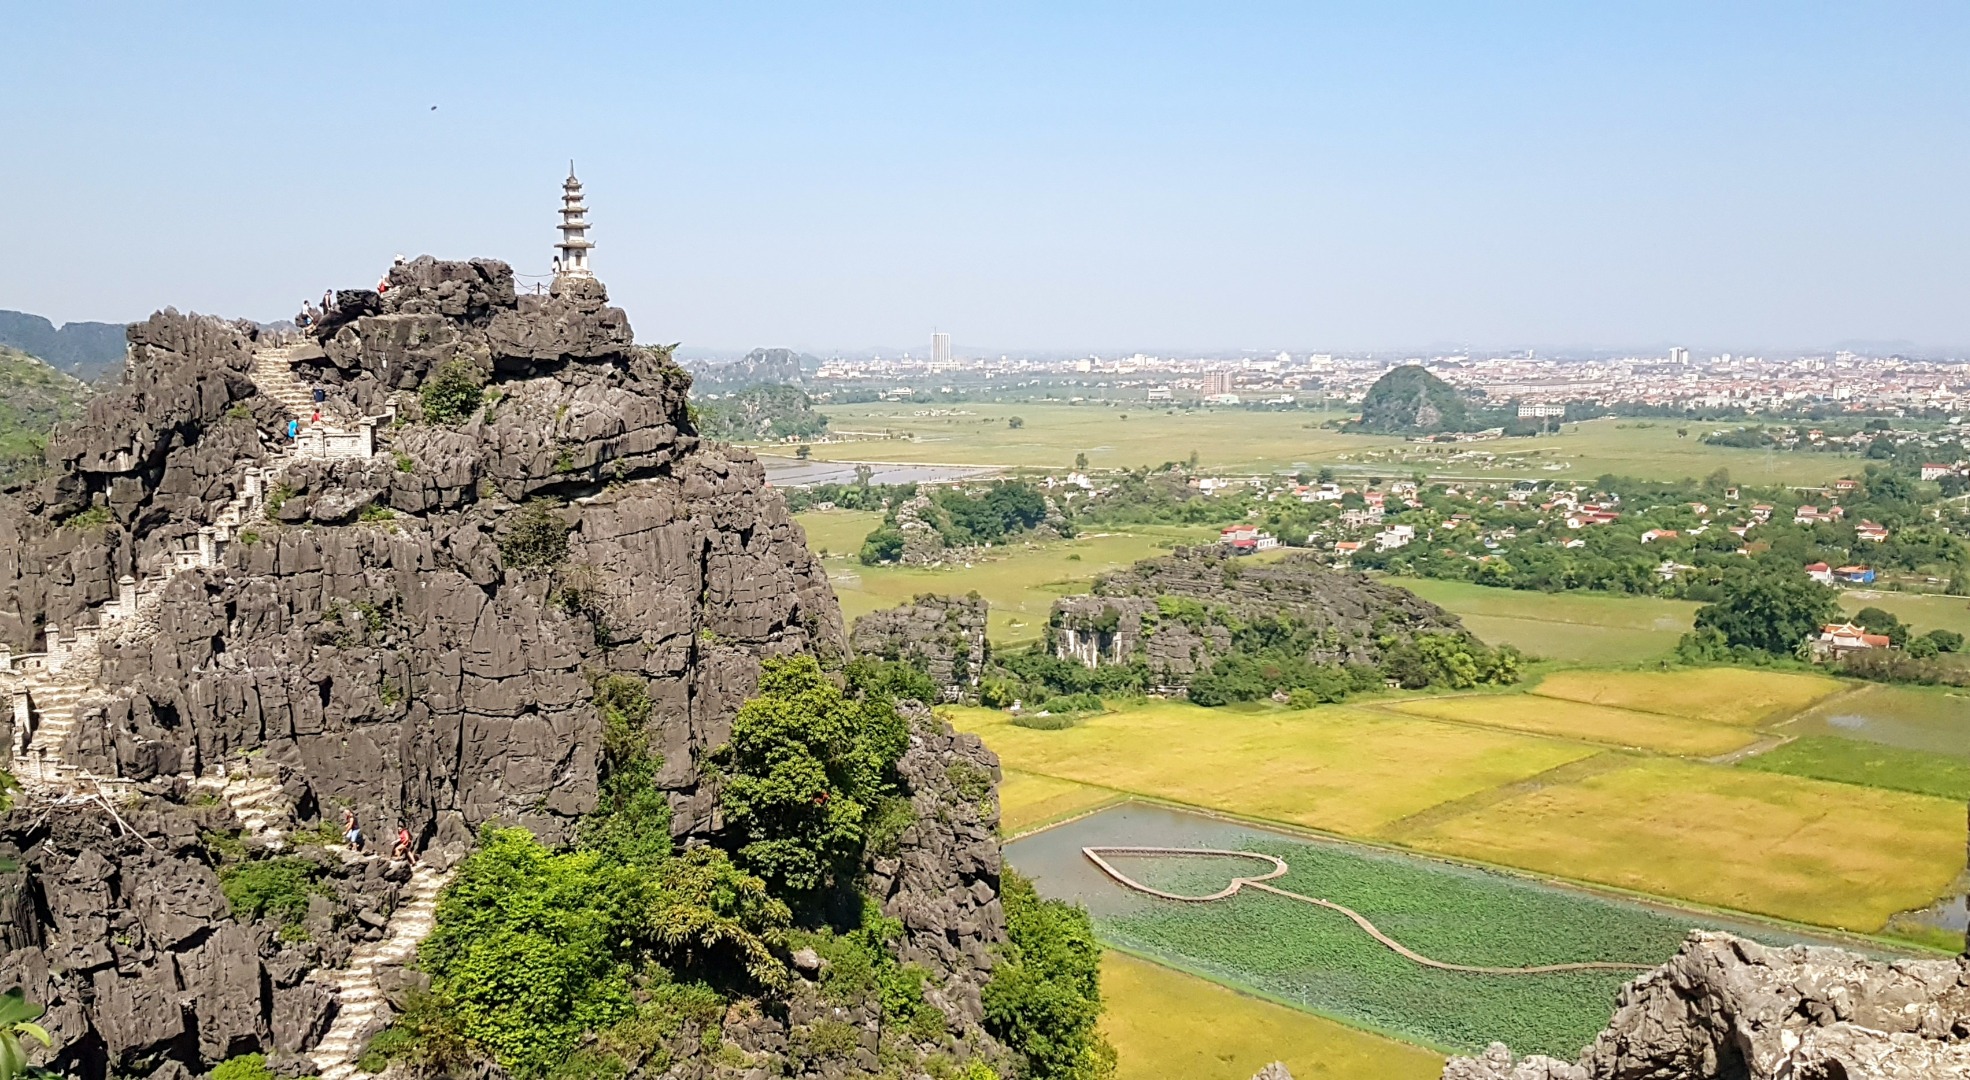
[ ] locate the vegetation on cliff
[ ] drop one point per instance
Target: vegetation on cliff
(1045, 996)
(33, 398)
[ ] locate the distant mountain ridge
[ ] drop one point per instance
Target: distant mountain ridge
(86, 350)
(760, 367)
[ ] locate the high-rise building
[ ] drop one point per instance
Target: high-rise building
(1217, 382)
(1679, 355)
(940, 348)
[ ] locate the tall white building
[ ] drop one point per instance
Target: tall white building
(574, 245)
(940, 348)
(1679, 355)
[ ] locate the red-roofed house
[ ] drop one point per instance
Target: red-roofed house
(1820, 572)
(1872, 532)
(1837, 638)
(1653, 535)
(1933, 471)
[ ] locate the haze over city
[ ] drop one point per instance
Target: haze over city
(1111, 177)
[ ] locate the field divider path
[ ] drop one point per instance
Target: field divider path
(1280, 869)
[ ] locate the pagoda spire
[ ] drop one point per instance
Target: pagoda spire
(574, 245)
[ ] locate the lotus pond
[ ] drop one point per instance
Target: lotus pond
(1319, 960)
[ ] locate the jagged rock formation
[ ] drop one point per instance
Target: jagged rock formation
(245, 633)
(1409, 400)
(1274, 1071)
(1122, 620)
(116, 922)
(942, 636)
(923, 545)
(1727, 1009)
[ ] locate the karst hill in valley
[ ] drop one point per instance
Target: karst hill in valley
(456, 560)
(1409, 400)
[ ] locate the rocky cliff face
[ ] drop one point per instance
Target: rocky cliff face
(943, 636)
(1727, 1009)
(1122, 620)
(405, 624)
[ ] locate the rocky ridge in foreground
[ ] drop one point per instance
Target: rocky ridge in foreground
(1728, 1009)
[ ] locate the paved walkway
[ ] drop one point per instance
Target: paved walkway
(358, 997)
(1279, 869)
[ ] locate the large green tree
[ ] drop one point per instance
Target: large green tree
(1045, 994)
(1771, 611)
(805, 766)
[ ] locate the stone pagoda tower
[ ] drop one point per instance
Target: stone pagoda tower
(574, 245)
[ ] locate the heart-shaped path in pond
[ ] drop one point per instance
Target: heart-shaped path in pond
(1279, 869)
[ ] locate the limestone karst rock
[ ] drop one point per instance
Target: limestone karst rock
(1120, 621)
(1727, 1009)
(404, 621)
(944, 636)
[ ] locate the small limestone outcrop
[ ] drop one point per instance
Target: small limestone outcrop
(1274, 1071)
(1174, 613)
(1728, 1009)
(942, 636)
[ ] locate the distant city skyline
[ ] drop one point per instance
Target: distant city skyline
(1101, 177)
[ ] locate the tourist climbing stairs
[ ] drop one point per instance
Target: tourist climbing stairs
(358, 995)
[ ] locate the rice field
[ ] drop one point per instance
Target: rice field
(1580, 627)
(1724, 695)
(1828, 854)
(1603, 724)
(1335, 768)
(1166, 1024)
(1019, 581)
(1851, 761)
(1924, 718)
(1029, 800)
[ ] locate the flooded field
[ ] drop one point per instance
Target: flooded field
(1910, 717)
(1320, 960)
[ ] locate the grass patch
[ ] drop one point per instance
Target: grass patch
(1337, 768)
(1807, 850)
(1577, 720)
(1240, 439)
(1028, 800)
(1577, 627)
(1849, 761)
(1722, 695)
(1164, 1024)
(1020, 581)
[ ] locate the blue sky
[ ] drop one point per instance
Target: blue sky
(1055, 175)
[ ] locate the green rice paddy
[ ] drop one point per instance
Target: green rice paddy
(1851, 761)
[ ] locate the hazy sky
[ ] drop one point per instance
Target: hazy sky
(1057, 174)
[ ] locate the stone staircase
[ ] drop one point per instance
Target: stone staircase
(358, 997)
(257, 800)
(273, 375)
(54, 687)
